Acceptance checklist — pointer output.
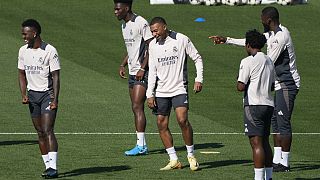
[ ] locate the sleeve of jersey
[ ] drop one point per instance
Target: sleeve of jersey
(146, 32)
(196, 57)
(20, 60)
(276, 48)
(54, 61)
(244, 72)
(237, 42)
(152, 75)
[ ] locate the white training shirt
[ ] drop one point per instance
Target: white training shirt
(257, 73)
(38, 65)
(281, 51)
(135, 32)
(168, 65)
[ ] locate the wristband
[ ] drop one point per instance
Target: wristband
(142, 69)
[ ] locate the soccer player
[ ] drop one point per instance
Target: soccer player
(168, 84)
(256, 79)
(136, 34)
(287, 82)
(39, 80)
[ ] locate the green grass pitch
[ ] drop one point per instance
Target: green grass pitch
(95, 100)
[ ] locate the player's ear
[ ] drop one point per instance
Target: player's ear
(164, 27)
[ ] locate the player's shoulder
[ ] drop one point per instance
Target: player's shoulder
(138, 19)
(47, 47)
(247, 60)
(23, 48)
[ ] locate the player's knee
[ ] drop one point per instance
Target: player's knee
(137, 107)
(183, 122)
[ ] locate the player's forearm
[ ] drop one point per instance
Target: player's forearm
(199, 68)
(237, 42)
(125, 61)
(56, 84)
(22, 82)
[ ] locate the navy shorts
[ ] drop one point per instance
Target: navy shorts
(164, 104)
(39, 103)
(284, 103)
(144, 82)
(257, 120)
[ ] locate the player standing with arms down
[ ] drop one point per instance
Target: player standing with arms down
(256, 79)
(39, 75)
(167, 88)
(136, 33)
(287, 82)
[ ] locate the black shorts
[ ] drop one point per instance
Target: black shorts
(164, 104)
(257, 120)
(144, 82)
(39, 103)
(284, 103)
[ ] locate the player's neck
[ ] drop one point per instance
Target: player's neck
(129, 16)
(37, 43)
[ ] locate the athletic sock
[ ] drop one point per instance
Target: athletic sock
(141, 141)
(53, 156)
(46, 160)
(190, 150)
(268, 173)
(285, 158)
(258, 173)
(277, 155)
(172, 153)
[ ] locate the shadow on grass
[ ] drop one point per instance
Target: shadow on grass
(93, 170)
(215, 164)
(9, 143)
(183, 148)
(305, 165)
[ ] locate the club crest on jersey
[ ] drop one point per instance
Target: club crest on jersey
(175, 49)
(41, 60)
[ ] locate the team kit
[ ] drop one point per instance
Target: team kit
(156, 63)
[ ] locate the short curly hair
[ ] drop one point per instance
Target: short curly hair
(32, 23)
(255, 39)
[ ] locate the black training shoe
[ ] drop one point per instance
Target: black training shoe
(44, 174)
(280, 168)
(51, 173)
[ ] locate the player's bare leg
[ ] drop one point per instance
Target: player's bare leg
(258, 155)
(164, 131)
(186, 128)
(167, 140)
(138, 97)
(187, 134)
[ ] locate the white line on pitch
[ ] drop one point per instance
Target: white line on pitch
(125, 133)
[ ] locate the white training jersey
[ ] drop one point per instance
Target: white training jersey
(281, 51)
(168, 65)
(257, 73)
(135, 32)
(38, 65)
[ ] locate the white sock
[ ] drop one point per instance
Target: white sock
(268, 173)
(141, 141)
(277, 155)
(285, 158)
(258, 173)
(46, 160)
(172, 153)
(53, 159)
(190, 150)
